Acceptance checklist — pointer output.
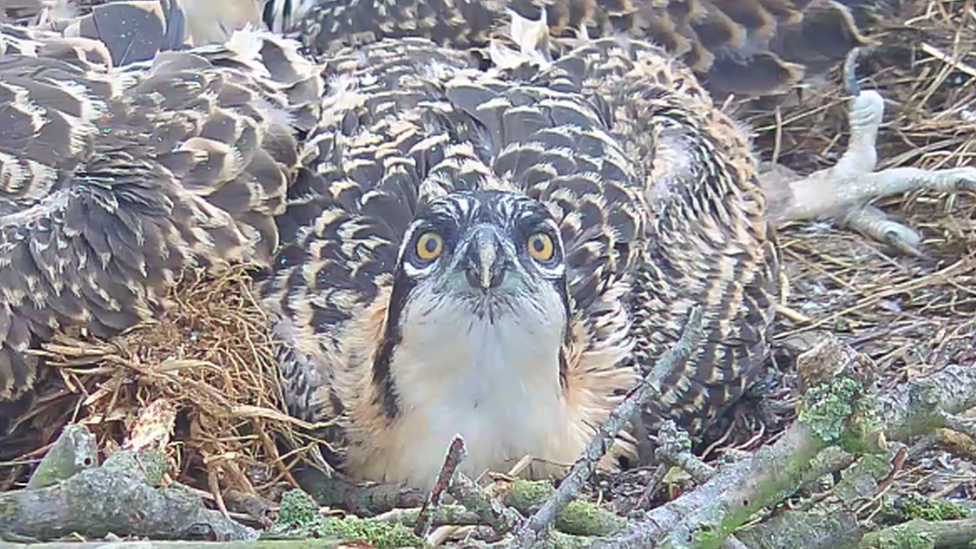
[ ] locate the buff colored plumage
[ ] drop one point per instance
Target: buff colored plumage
(659, 206)
(116, 179)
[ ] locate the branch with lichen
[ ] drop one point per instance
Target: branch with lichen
(841, 421)
(69, 494)
(838, 410)
(923, 534)
(120, 497)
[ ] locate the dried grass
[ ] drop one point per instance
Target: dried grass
(210, 355)
(909, 314)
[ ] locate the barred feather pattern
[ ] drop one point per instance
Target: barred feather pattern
(115, 180)
(709, 241)
(654, 190)
(752, 47)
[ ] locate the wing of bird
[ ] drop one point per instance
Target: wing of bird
(748, 47)
(135, 30)
(116, 179)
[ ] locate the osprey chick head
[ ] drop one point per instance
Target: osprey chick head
(476, 329)
(490, 255)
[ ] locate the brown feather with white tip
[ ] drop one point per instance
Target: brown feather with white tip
(114, 180)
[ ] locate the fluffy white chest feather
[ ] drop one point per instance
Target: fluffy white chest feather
(495, 383)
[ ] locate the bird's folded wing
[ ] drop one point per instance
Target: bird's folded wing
(117, 179)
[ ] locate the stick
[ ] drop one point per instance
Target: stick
(531, 531)
(493, 512)
(674, 448)
(946, 533)
(120, 497)
(445, 515)
(455, 454)
(74, 451)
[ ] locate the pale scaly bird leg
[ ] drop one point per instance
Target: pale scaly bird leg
(843, 191)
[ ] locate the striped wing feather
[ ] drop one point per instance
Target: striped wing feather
(654, 189)
(115, 180)
(746, 47)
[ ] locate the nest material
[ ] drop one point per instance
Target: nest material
(909, 314)
(211, 354)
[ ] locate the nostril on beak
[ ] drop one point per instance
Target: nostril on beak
(484, 263)
(484, 279)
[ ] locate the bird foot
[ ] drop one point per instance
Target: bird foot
(842, 192)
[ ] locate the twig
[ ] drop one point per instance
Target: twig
(918, 407)
(727, 501)
(455, 454)
(945, 533)
(454, 515)
(363, 500)
(492, 512)
(674, 448)
(532, 530)
(651, 489)
(964, 425)
(707, 515)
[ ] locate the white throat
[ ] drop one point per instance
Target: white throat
(495, 383)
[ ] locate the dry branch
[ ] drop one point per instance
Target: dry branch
(74, 451)
(919, 406)
(452, 460)
(838, 530)
(708, 515)
(361, 499)
(492, 512)
(120, 497)
(674, 448)
(534, 528)
(934, 535)
(327, 543)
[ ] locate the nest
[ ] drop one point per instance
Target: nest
(211, 355)
(910, 314)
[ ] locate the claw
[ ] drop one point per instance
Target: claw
(874, 223)
(850, 72)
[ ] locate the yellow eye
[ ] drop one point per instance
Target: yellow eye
(429, 246)
(541, 247)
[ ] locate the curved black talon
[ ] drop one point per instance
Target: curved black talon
(850, 72)
(893, 239)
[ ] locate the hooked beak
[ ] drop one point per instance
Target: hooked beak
(484, 260)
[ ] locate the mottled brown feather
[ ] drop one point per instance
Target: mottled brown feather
(751, 47)
(114, 180)
(653, 187)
